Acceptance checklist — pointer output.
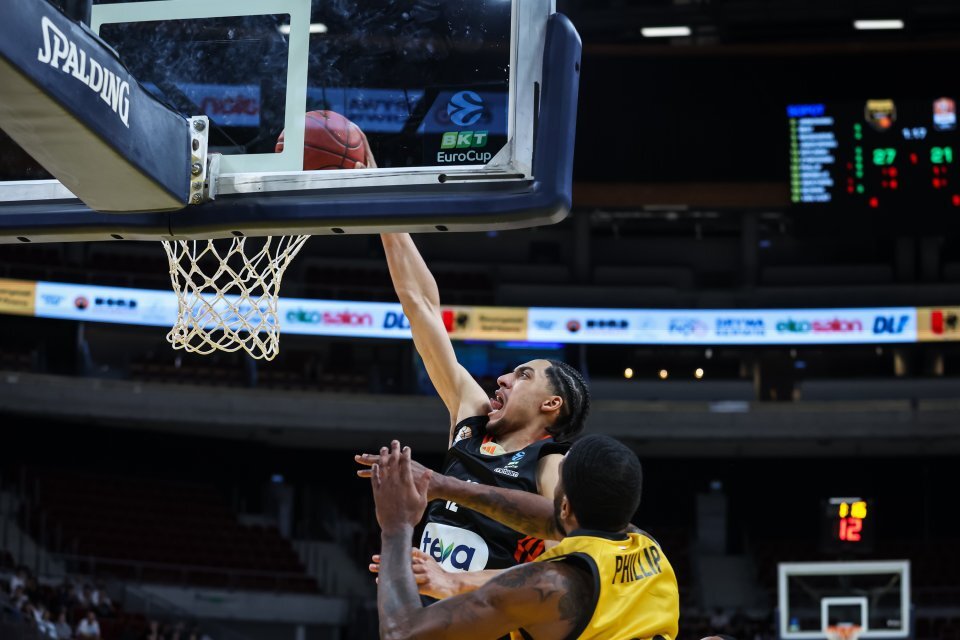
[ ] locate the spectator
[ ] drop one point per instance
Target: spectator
(64, 632)
(19, 598)
(89, 628)
(153, 631)
(101, 601)
(720, 621)
(45, 624)
(85, 596)
(18, 580)
(29, 615)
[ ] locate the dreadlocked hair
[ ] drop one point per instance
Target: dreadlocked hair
(567, 383)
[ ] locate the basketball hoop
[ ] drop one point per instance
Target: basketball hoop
(843, 632)
(227, 298)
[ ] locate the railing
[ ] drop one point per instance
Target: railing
(155, 607)
(180, 574)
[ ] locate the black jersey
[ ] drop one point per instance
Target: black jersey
(463, 540)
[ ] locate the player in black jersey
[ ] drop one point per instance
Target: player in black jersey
(511, 442)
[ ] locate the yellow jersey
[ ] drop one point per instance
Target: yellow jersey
(635, 588)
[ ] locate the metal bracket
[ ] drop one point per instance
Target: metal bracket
(212, 186)
(199, 130)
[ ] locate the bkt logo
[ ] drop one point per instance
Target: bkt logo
(394, 320)
(465, 108)
(455, 549)
(615, 324)
(464, 140)
(115, 303)
(890, 324)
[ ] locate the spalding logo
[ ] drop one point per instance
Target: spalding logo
(465, 108)
(454, 548)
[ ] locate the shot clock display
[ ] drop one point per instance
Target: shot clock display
(878, 153)
(848, 524)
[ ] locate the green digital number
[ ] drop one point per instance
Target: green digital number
(884, 156)
(941, 155)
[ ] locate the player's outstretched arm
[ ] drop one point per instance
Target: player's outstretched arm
(417, 290)
(435, 582)
(529, 513)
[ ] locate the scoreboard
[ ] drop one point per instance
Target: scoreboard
(847, 524)
(878, 153)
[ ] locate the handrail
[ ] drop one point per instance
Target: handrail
(145, 564)
(231, 578)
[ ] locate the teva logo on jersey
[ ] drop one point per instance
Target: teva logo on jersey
(455, 549)
(343, 318)
(464, 140)
(894, 325)
(687, 327)
(509, 469)
(836, 325)
(465, 108)
(57, 48)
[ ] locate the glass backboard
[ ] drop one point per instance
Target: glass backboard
(468, 108)
(874, 596)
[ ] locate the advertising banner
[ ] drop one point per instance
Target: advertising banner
(718, 327)
(486, 323)
(17, 297)
(513, 324)
(938, 324)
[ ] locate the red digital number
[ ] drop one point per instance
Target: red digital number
(850, 529)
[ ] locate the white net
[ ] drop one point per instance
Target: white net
(228, 294)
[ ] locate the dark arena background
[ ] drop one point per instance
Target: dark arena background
(775, 184)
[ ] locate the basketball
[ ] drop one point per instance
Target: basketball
(330, 141)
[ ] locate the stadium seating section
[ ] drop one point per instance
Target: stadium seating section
(164, 532)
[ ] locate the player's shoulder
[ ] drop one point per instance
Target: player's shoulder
(631, 528)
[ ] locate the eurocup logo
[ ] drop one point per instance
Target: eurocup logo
(465, 108)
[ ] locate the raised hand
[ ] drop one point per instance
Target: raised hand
(400, 499)
(418, 470)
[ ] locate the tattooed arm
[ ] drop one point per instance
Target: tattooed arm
(546, 599)
(528, 513)
(435, 582)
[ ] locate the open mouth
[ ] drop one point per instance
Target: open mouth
(498, 401)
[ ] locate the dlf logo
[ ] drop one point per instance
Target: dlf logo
(890, 324)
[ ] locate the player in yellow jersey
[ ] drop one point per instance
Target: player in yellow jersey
(599, 583)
